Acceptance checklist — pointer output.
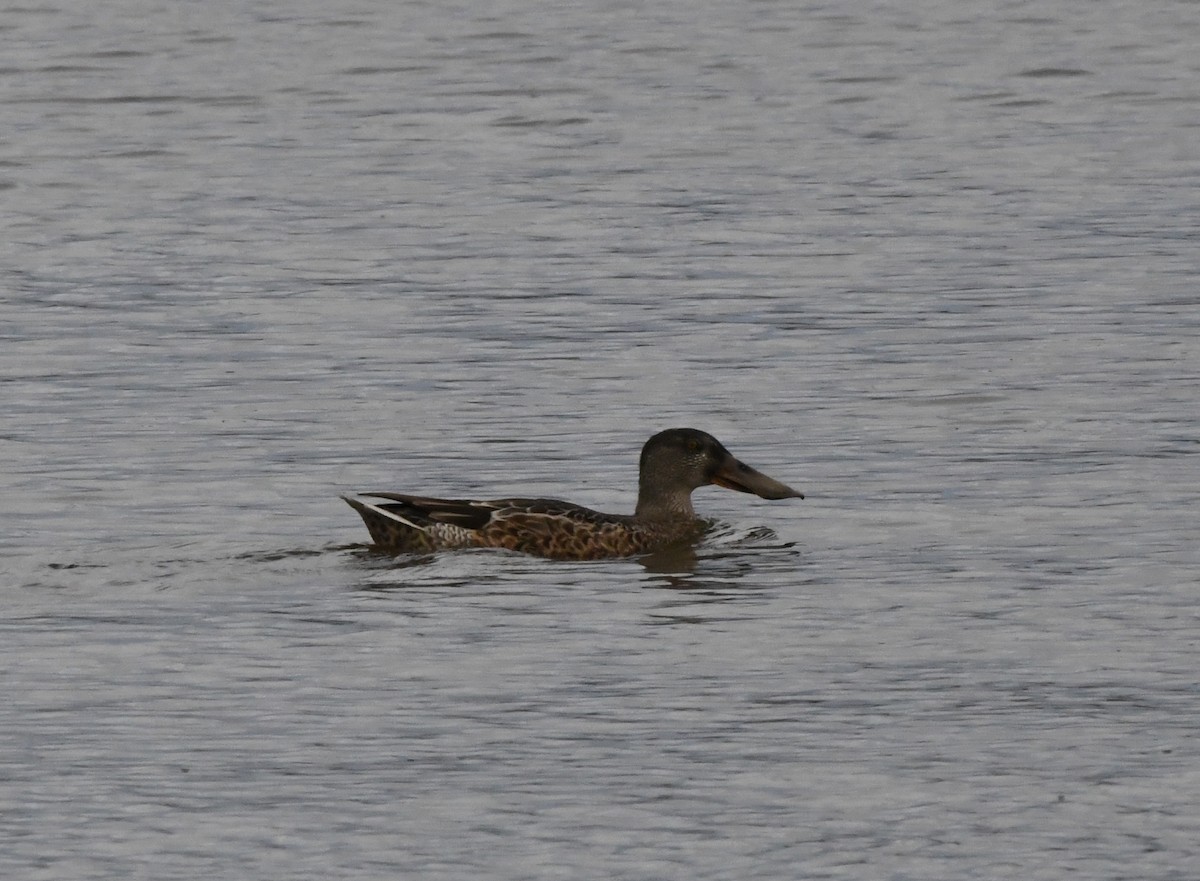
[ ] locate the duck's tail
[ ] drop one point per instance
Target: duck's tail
(390, 529)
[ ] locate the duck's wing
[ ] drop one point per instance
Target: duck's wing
(478, 514)
(426, 510)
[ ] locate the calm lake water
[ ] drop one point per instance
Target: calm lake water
(934, 264)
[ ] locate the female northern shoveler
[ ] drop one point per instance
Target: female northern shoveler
(673, 463)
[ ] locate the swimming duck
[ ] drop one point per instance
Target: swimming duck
(673, 463)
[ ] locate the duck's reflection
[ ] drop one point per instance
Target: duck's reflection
(674, 560)
(720, 563)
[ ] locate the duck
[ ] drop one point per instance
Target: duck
(673, 463)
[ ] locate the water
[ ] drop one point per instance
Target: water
(934, 265)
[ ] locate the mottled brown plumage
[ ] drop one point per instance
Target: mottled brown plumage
(673, 463)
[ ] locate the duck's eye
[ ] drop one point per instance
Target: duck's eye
(693, 446)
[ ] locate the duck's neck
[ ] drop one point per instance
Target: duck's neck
(657, 502)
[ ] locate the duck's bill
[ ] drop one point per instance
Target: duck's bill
(740, 476)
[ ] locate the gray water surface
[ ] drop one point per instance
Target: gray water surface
(935, 265)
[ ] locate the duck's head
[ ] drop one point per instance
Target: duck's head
(676, 461)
